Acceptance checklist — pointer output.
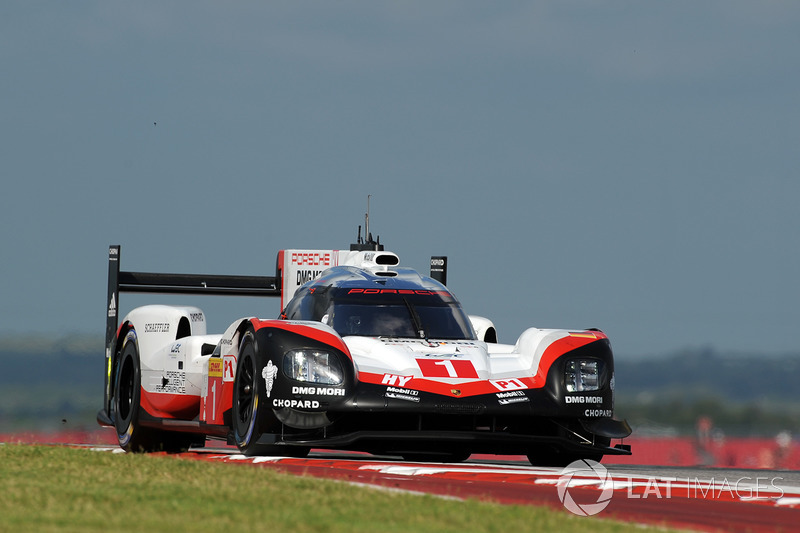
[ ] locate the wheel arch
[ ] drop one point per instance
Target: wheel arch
(113, 367)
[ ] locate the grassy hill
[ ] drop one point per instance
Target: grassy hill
(50, 383)
(742, 394)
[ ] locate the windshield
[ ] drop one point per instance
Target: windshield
(403, 317)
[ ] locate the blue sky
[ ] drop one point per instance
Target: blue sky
(630, 166)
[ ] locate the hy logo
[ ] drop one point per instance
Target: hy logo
(580, 473)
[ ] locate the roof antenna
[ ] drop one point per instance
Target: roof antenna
(367, 243)
(367, 234)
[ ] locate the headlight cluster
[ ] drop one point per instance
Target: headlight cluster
(313, 366)
(582, 375)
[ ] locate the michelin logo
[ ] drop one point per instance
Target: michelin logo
(515, 396)
(269, 373)
(402, 394)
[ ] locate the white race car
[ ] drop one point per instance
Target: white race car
(366, 355)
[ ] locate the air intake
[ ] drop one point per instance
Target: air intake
(387, 260)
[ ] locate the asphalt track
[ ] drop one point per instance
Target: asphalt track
(699, 499)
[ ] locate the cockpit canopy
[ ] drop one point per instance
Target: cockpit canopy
(383, 312)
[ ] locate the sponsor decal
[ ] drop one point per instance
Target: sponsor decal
(156, 327)
(269, 373)
(112, 307)
(431, 344)
(228, 368)
(173, 382)
(196, 317)
(601, 413)
(514, 396)
(391, 379)
(304, 276)
(583, 399)
(318, 391)
(295, 404)
(176, 349)
(215, 368)
(311, 258)
(402, 394)
(508, 384)
(421, 292)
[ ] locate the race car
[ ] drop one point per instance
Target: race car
(366, 355)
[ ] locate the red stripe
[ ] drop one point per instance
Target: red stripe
(179, 406)
(559, 348)
(468, 388)
(331, 339)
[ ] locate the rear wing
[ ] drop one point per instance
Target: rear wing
(151, 282)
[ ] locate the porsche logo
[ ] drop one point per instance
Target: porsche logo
(455, 392)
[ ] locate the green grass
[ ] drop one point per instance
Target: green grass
(66, 489)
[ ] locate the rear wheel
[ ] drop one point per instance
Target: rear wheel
(132, 436)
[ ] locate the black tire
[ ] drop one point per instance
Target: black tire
(127, 389)
(132, 436)
(246, 397)
(252, 414)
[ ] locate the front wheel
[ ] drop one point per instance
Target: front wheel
(246, 402)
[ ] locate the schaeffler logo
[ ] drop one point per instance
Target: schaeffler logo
(580, 473)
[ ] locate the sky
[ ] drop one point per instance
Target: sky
(630, 166)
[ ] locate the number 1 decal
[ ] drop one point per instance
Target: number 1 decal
(447, 368)
(214, 401)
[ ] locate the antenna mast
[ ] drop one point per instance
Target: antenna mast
(366, 221)
(368, 243)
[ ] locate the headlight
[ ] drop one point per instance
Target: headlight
(313, 366)
(582, 375)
